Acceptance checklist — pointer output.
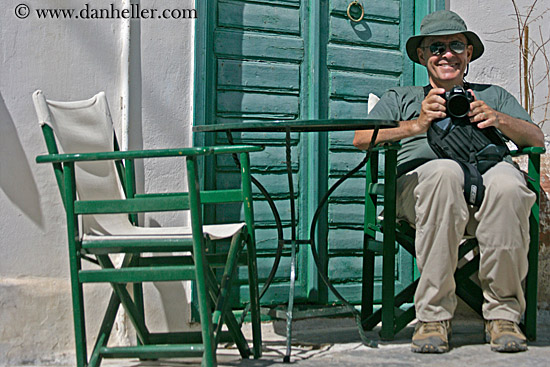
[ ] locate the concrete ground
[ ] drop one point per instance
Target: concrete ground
(336, 342)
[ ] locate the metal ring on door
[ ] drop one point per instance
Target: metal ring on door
(356, 3)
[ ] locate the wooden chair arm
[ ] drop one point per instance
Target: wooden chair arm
(528, 150)
(151, 153)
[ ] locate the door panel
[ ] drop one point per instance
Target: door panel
(240, 43)
(257, 75)
(259, 16)
(345, 84)
(362, 58)
(259, 55)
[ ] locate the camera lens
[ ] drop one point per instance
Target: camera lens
(458, 105)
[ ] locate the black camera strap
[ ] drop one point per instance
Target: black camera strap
(474, 190)
(458, 147)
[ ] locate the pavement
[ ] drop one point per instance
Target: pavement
(336, 342)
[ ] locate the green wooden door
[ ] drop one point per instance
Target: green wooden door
(301, 59)
(362, 58)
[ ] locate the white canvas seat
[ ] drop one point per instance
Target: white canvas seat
(214, 232)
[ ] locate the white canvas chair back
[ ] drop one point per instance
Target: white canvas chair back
(86, 127)
(373, 100)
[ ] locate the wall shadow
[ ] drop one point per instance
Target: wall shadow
(135, 100)
(16, 178)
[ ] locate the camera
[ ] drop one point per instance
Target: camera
(458, 102)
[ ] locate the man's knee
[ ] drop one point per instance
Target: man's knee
(440, 185)
(443, 173)
(505, 181)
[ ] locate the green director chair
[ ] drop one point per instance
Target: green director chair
(97, 187)
(396, 310)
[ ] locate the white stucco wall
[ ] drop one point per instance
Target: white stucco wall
(74, 59)
(71, 59)
(495, 23)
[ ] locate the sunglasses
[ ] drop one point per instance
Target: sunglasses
(439, 48)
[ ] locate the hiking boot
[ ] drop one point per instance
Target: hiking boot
(431, 337)
(505, 336)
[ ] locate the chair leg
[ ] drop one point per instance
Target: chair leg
(367, 289)
(127, 302)
(237, 335)
(105, 330)
(75, 265)
(220, 295)
(209, 356)
(530, 317)
(79, 323)
(219, 317)
(138, 294)
(388, 300)
(531, 286)
(254, 300)
(138, 300)
(388, 252)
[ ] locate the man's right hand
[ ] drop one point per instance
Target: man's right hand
(433, 108)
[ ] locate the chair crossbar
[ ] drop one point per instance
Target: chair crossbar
(192, 337)
(471, 293)
(207, 196)
(404, 319)
(141, 205)
(138, 274)
(141, 154)
(466, 247)
(467, 270)
(153, 351)
(217, 260)
(102, 247)
(154, 203)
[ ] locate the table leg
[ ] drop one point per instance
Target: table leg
(281, 241)
(293, 248)
(311, 241)
(278, 225)
(290, 307)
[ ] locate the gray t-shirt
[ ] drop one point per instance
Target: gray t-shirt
(404, 103)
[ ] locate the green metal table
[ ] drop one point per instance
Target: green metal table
(288, 127)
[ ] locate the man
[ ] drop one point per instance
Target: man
(430, 190)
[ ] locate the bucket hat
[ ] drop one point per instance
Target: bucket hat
(443, 23)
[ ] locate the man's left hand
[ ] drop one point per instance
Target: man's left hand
(482, 114)
(523, 133)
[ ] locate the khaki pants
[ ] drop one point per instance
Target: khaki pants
(431, 198)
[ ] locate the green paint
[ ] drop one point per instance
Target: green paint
(297, 59)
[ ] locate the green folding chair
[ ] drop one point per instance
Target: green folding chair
(396, 310)
(97, 187)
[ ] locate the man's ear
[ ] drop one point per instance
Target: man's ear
(420, 53)
(470, 51)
